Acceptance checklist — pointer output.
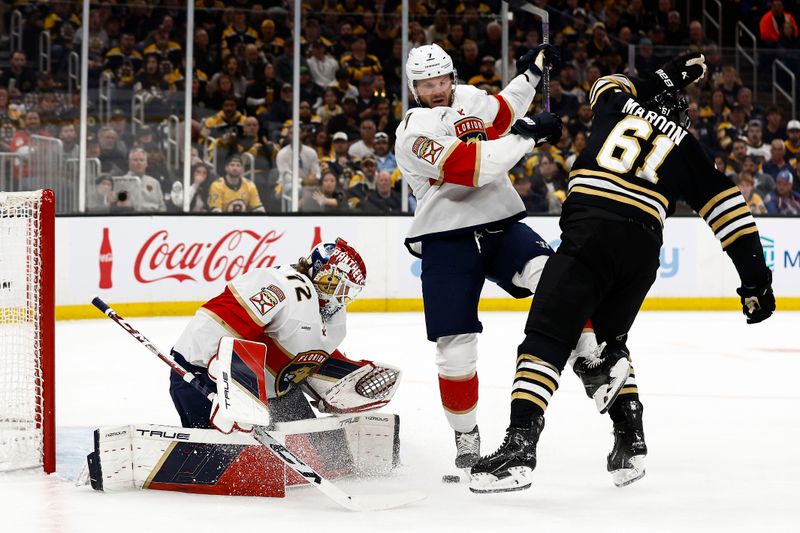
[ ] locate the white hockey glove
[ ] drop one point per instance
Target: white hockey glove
(369, 387)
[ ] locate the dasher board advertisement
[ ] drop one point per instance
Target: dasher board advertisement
(187, 260)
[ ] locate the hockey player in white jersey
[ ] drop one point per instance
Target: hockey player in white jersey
(298, 312)
(456, 150)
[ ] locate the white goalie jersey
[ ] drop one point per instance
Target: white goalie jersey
(278, 307)
(456, 160)
(275, 306)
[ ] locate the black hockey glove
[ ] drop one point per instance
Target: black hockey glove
(544, 127)
(758, 303)
(681, 71)
(550, 58)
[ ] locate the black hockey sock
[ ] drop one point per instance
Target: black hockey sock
(523, 412)
(617, 411)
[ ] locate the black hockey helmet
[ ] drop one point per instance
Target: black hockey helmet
(672, 105)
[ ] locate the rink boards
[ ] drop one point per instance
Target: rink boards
(168, 265)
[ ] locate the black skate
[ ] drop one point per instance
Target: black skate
(511, 466)
(468, 448)
(626, 460)
(603, 376)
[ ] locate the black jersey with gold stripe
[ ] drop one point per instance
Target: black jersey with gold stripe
(638, 163)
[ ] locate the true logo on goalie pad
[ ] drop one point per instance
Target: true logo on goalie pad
(267, 298)
(427, 149)
(302, 366)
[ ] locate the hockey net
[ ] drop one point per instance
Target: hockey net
(27, 324)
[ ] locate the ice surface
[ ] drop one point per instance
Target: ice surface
(722, 420)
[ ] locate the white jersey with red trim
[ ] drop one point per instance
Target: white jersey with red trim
(277, 306)
(456, 160)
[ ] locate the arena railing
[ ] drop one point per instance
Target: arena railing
(707, 19)
(104, 98)
(10, 170)
(16, 30)
(45, 49)
(750, 54)
(172, 144)
(73, 73)
(791, 93)
(137, 112)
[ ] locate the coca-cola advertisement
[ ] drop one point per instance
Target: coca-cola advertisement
(183, 259)
(164, 257)
(106, 262)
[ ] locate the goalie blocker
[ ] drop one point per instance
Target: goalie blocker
(206, 461)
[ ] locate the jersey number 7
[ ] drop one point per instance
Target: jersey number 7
(631, 148)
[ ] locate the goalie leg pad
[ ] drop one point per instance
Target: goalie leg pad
(373, 439)
(186, 460)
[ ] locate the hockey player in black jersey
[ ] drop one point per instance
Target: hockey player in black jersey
(639, 160)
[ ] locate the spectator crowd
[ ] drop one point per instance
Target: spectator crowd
(350, 96)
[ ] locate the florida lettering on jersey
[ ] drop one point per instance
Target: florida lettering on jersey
(470, 129)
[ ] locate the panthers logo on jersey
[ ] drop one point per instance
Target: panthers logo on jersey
(471, 129)
(302, 366)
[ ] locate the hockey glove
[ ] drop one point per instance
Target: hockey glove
(536, 59)
(681, 71)
(544, 127)
(758, 303)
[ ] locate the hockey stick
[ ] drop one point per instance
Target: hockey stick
(545, 16)
(374, 502)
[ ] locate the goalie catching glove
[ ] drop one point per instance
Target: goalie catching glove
(544, 127)
(365, 387)
(680, 72)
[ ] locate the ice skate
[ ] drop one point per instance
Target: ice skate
(511, 467)
(603, 373)
(468, 448)
(626, 460)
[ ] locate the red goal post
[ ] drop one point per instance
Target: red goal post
(27, 330)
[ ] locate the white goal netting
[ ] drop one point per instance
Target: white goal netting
(21, 375)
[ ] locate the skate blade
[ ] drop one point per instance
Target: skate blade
(626, 476)
(605, 395)
(519, 478)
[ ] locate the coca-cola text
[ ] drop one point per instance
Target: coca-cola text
(228, 257)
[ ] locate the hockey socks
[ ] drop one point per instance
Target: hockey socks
(534, 384)
(629, 390)
(460, 401)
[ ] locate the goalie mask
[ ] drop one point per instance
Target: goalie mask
(672, 105)
(338, 274)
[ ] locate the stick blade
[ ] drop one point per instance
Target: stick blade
(383, 502)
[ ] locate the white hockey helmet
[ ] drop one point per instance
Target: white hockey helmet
(428, 61)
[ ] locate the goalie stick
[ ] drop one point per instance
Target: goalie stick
(375, 502)
(545, 16)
